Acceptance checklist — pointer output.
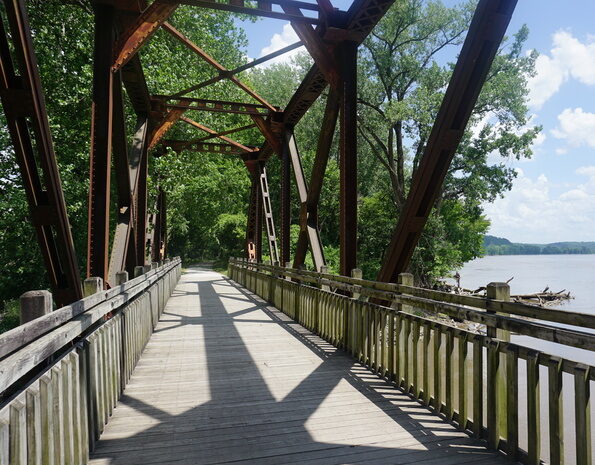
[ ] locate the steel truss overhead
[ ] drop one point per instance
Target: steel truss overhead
(332, 37)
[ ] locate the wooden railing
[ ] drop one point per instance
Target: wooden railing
(474, 379)
(62, 374)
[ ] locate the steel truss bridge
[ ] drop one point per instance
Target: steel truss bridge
(63, 373)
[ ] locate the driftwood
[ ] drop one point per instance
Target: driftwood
(543, 298)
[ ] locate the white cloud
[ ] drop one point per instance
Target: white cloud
(568, 58)
(561, 151)
(530, 212)
(576, 126)
(278, 41)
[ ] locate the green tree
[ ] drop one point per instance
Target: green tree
(404, 71)
(212, 184)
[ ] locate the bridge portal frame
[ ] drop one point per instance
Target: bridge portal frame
(122, 27)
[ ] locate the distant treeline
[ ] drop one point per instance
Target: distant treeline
(499, 246)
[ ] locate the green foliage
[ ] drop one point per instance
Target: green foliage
(230, 233)
(199, 187)
(403, 71)
(10, 315)
(402, 76)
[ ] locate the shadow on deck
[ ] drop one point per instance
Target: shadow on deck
(227, 378)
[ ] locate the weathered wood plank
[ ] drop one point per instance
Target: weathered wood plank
(300, 400)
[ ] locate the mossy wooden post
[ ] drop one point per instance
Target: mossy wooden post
(533, 409)
(121, 277)
(324, 270)
(404, 279)
(288, 302)
(319, 296)
(146, 268)
(499, 292)
(138, 271)
(556, 415)
(512, 399)
(463, 379)
(582, 414)
(35, 304)
(350, 320)
(92, 286)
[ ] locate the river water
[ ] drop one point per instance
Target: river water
(532, 273)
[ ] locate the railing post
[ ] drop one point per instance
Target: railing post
(497, 364)
(35, 304)
(350, 320)
(121, 277)
(324, 270)
(404, 279)
(92, 286)
(146, 268)
(138, 270)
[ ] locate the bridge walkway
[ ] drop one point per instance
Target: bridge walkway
(227, 378)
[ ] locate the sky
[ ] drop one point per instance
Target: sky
(553, 196)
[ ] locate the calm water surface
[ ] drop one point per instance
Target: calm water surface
(532, 273)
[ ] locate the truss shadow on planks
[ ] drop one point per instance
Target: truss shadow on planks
(228, 378)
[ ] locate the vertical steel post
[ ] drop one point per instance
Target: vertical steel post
(159, 233)
(251, 226)
(140, 226)
(348, 159)
(285, 202)
(258, 221)
(101, 144)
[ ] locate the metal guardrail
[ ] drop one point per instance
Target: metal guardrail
(62, 374)
(476, 381)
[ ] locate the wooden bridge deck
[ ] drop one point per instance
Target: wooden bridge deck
(227, 378)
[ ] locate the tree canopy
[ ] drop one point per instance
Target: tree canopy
(404, 67)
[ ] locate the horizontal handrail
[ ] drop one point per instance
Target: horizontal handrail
(474, 380)
(62, 375)
(24, 347)
(579, 319)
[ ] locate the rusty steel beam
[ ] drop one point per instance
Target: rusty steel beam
(267, 13)
(124, 232)
(159, 232)
(362, 16)
(24, 106)
(265, 128)
(321, 52)
(226, 74)
(139, 172)
(285, 223)
(171, 117)
(214, 133)
(207, 147)
(348, 160)
(309, 231)
(101, 145)
(211, 61)
(215, 106)
(224, 133)
(132, 72)
(253, 246)
(481, 45)
(137, 34)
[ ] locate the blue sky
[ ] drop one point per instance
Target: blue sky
(553, 198)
